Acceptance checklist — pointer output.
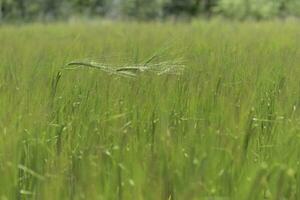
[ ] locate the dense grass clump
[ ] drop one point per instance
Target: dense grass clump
(225, 127)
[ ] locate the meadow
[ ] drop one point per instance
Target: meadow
(227, 126)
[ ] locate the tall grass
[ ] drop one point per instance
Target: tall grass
(226, 128)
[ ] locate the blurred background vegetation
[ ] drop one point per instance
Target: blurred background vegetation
(47, 10)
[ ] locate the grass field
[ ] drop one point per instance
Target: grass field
(226, 127)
